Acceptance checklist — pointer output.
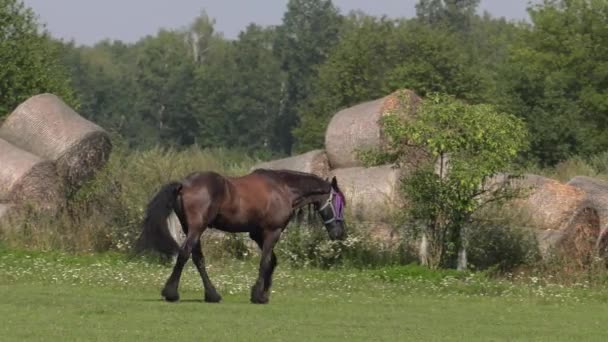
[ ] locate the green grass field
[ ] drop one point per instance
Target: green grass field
(50, 296)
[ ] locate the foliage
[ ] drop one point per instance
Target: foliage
(162, 77)
(412, 271)
(354, 72)
(466, 145)
(104, 88)
(309, 30)
(435, 61)
(455, 15)
(29, 59)
(502, 239)
(307, 245)
(556, 78)
(273, 90)
(377, 56)
(239, 98)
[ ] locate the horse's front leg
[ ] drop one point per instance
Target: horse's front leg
(257, 237)
(259, 291)
(211, 295)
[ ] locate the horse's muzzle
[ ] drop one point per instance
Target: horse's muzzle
(337, 233)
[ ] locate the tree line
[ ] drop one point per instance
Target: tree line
(272, 90)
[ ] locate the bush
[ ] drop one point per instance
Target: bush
(591, 166)
(599, 163)
(470, 143)
(502, 239)
(575, 166)
(307, 244)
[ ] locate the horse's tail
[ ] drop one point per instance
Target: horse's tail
(155, 234)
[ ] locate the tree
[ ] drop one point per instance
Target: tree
(487, 48)
(237, 99)
(355, 71)
(200, 37)
(29, 60)
(455, 15)
(309, 30)
(377, 56)
(163, 76)
(257, 91)
(210, 96)
(104, 85)
(465, 146)
(435, 60)
(556, 79)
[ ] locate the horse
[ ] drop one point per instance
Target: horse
(261, 203)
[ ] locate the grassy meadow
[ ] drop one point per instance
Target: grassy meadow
(69, 277)
(55, 296)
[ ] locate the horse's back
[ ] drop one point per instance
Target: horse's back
(208, 183)
(239, 203)
(256, 200)
(259, 190)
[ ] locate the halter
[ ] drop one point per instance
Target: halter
(337, 208)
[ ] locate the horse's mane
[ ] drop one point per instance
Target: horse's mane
(306, 184)
(301, 182)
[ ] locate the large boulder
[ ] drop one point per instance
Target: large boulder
(48, 128)
(358, 127)
(5, 209)
(27, 179)
(561, 213)
(596, 192)
(372, 193)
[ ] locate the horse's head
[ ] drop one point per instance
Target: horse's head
(331, 209)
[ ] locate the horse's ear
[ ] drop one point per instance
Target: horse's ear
(334, 182)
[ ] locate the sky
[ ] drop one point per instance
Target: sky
(89, 21)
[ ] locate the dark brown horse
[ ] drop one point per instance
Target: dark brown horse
(261, 203)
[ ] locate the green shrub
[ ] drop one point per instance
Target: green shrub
(575, 166)
(471, 143)
(307, 244)
(502, 239)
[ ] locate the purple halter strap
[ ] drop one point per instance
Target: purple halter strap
(338, 204)
(336, 200)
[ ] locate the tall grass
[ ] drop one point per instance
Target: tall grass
(105, 214)
(592, 166)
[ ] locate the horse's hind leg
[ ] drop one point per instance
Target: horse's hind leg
(195, 227)
(170, 290)
(211, 295)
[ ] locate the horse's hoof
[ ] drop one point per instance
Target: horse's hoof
(259, 299)
(170, 296)
(258, 295)
(212, 297)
